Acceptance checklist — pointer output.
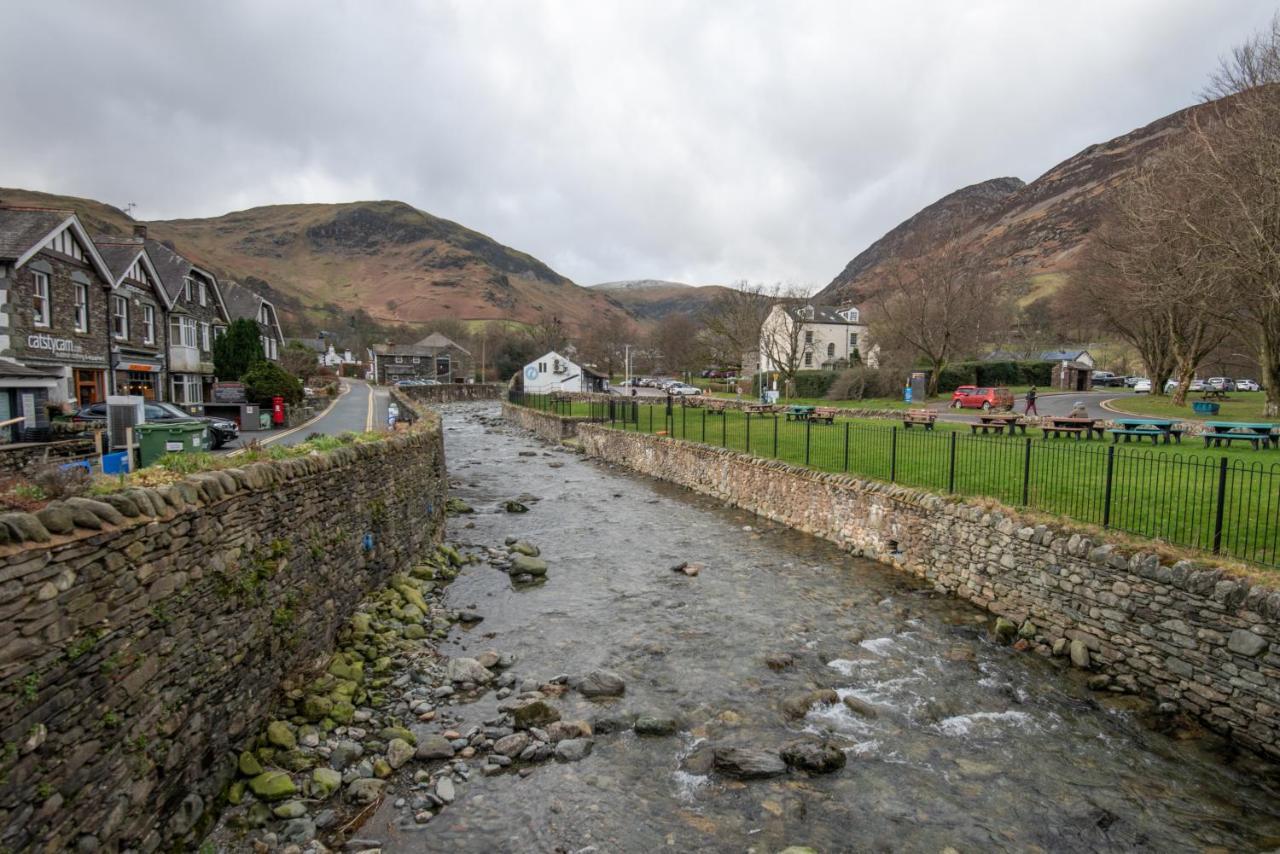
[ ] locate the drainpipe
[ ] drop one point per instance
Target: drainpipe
(110, 384)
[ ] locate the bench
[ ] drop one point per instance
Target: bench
(924, 418)
(996, 428)
(824, 414)
(1156, 436)
(1055, 432)
(1218, 438)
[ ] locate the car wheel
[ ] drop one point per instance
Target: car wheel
(986, 406)
(955, 404)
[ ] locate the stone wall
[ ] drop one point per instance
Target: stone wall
(1191, 635)
(454, 392)
(553, 428)
(146, 635)
(32, 456)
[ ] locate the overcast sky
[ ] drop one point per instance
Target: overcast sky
(698, 141)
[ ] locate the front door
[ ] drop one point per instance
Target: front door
(88, 386)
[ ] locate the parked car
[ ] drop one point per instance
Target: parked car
(221, 430)
(1220, 384)
(1247, 385)
(1171, 385)
(1131, 382)
(1106, 378)
(981, 397)
(1142, 386)
(683, 389)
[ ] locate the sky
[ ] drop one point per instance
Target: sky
(705, 141)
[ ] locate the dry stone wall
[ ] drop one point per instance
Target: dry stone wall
(1191, 635)
(553, 428)
(453, 392)
(144, 635)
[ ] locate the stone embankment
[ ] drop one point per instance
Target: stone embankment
(453, 392)
(1194, 636)
(145, 634)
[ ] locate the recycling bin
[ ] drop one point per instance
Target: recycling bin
(181, 437)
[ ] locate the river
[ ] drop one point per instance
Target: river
(974, 747)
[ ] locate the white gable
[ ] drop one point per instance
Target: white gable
(64, 240)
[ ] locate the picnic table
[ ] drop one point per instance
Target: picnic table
(999, 422)
(758, 408)
(1066, 425)
(1141, 428)
(796, 412)
(1214, 394)
(1242, 431)
(924, 417)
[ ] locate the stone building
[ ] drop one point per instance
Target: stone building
(808, 337)
(433, 358)
(54, 332)
(197, 315)
(243, 303)
(138, 315)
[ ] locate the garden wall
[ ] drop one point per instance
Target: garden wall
(34, 455)
(1192, 635)
(146, 635)
(454, 392)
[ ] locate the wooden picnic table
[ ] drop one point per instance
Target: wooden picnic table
(796, 412)
(1066, 425)
(999, 422)
(758, 408)
(1214, 394)
(923, 417)
(1141, 428)
(1255, 433)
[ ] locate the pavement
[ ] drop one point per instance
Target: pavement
(358, 407)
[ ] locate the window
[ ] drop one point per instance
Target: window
(542, 367)
(65, 242)
(263, 315)
(182, 331)
(399, 360)
(442, 366)
(82, 307)
(149, 324)
(203, 295)
(40, 300)
(186, 388)
(808, 336)
(186, 288)
(831, 351)
(204, 337)
(120, 318)
(853, 341)
(808, 358)
(416, 360)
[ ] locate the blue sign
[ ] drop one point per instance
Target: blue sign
(530, 373)
(906, 394)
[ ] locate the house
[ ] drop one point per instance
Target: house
(555, 373)
(433, 358)
(327, 355)
(1061, 354)
(808, 337)
(54, 334)
(138, 316)
(245, 304)
(197, 315)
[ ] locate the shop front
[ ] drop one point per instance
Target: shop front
(140, 378)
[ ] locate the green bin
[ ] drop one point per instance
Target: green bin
(179, 437)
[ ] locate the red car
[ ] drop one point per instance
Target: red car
(986, 399)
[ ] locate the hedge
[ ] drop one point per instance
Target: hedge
(813, 383)
(995, 374)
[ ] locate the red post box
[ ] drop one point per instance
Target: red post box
(277, 411)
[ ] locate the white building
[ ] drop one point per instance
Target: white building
(555, 373)
(807, 337)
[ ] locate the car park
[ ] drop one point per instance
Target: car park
(1248, 385)
(221, 430)
(682, 389)
(1132, 382)
(1142, 386)
(1220, 384)
(1171, 385)
(985, 398)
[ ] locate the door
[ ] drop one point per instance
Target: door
(88, 386)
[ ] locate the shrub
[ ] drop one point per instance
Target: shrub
(813, 383)
(266, 380)
(56, 482)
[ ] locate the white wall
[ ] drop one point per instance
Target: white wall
(540, 376)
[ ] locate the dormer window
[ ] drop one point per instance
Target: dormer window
(849, 314)
(805, 312)
(186, 289)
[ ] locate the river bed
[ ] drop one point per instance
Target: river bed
(972, 746)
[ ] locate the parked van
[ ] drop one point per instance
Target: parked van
(979, 397)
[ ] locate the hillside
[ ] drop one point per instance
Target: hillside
(1033, 231)
(320, 263)
(654, 299)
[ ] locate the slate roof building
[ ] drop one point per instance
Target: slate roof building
(197, 315)
(243, 303)
(138, 316)
(435, 357)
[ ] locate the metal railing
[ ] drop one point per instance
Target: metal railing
(1222, 504)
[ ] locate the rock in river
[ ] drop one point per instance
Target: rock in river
(798, 705)
(748, 763)
(573, 749)
(602, 683)
(534, 713)
(434, 746)
(522, 564)
(655, 725)
(468, 670)
(816, 757)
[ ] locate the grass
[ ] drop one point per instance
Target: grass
(1239, 406)
(1168, 494)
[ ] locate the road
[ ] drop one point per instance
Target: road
(1051, 403)
(359, 407)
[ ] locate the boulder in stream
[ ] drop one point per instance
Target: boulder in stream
(747, 763)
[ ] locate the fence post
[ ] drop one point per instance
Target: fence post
(1222, 502)
(808, 427)
(684, 422)
(846, 446)
(893, 453)
(748, 414)
(951, 467)
(1026, 471)
(650, 419)
(704, 426)
(724, 427)
(775, 435)
(1106, 495)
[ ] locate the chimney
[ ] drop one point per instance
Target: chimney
(139, 230)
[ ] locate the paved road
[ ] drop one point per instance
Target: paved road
(1053, 403)
(359, 407)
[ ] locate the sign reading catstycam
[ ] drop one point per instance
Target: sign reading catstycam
(60, 346)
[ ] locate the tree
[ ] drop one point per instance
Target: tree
(548, 334)
(299, 359)
(603, 342)
(782, 342)
(936, 303)
(265, 380)
(237, 349)
(677, 342)
(733, 319)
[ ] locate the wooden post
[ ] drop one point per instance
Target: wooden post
(97, 449)
(128, 449)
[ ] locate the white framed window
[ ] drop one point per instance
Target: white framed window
(82, 307)
(40, 308)
(808, 336)
(203, 295)
(149, 324)
(204, 337)
(186, 389)
(808, 358)
(182, 331)
(186, 288)
(120, 318)
(399, 360)
(853, 341)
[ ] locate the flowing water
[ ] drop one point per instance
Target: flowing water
(975, 747)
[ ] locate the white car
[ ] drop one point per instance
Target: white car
(1142, 386)
(682, 389)
(1247, 385)
(1171, 385)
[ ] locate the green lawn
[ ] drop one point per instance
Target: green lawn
(1239, 406)
(1164, 493)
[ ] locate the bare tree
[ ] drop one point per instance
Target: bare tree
(733, 319)
(677, 342)
(1254, 63)
(603, 341)
(937, 304)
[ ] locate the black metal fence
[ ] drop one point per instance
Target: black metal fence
(1224, 504)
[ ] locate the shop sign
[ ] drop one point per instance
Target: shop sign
(57, 346)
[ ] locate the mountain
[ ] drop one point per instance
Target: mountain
(1030, 231)
(654, 299)
(320, 263)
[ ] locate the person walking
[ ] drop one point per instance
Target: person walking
(1031, 402)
